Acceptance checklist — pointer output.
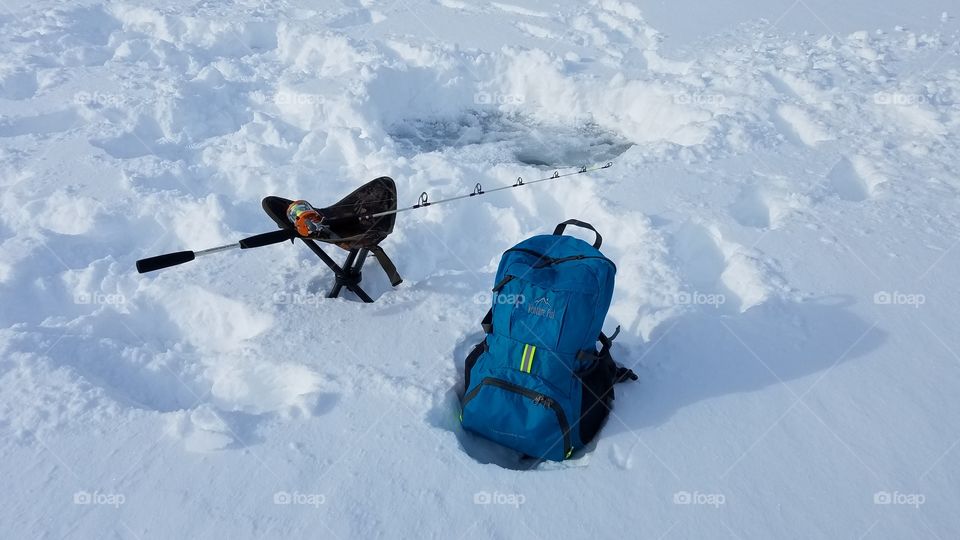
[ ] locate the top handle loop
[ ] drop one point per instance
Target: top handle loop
(578, 223)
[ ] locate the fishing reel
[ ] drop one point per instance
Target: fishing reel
(308, 222)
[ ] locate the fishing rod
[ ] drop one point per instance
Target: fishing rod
(158, 262)
(478, 190)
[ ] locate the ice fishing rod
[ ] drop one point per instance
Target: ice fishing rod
(478, 190)
(275, 237)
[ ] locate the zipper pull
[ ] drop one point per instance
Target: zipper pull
(545, 261)
(543, 400)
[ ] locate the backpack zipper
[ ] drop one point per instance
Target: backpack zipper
(538, 399)
(549, 261)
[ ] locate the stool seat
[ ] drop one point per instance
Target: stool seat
(358, 235)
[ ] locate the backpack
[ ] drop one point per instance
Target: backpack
(537, 383)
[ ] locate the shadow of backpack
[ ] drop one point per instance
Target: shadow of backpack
(537, 383)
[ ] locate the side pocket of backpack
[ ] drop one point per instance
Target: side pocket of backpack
(596, 396)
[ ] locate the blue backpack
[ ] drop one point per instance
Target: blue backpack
(537, 383)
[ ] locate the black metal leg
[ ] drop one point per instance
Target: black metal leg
(361, 294)
(347, 275)
(319, 252)
(353, 271)
(361, 258)
(344, 275)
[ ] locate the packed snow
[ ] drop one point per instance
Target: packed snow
(782, 208)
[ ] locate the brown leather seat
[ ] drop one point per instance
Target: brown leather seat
(343, 217)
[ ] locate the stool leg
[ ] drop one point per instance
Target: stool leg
(345, 273)
(361, 294)
(354, 270)
(319, 252)
(361, 258)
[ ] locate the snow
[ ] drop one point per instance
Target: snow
(782, 209)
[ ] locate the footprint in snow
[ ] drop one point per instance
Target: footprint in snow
(18, 84)
(721, 274)
(620, 457)
(855, 178)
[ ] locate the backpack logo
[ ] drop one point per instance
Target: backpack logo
(542, 308)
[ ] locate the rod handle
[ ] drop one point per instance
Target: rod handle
(265, 239)
(164, 261)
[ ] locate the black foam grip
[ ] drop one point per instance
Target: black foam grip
(266, 239)
(163, 261)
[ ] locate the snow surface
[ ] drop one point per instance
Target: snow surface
(782, 209)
